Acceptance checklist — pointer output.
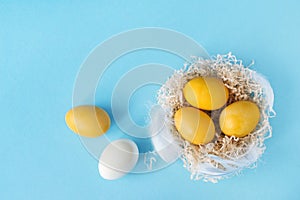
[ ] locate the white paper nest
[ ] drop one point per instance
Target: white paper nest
(224, 156)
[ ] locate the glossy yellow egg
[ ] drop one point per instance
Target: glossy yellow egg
(194, 125)
(207, 93)
(239, 119)
(88, 121)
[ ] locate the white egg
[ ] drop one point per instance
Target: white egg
(166, 146)
(162, 138)
(117, 159)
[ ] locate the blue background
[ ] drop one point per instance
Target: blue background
(42, 45)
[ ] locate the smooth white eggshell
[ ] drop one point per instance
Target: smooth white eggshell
(117, 159)
(162, 139)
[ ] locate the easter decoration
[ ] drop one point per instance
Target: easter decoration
(126, 152)
(217, 112)
(216, 118)
(88, 121)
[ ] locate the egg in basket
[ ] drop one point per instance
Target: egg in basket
(216, 116)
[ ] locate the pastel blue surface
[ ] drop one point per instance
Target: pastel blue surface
(42, 45)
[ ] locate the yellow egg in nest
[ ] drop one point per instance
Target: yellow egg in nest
(194, 125)
(239, 118)
(207, 93)
(88, 121)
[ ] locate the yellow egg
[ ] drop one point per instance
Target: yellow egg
(239, 119)
(88, 121)
(194, 125)
(206, 93)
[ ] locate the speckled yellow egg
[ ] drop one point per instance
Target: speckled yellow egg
(207, 93)
(88, 121)
(194, 125)
(239, 119)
